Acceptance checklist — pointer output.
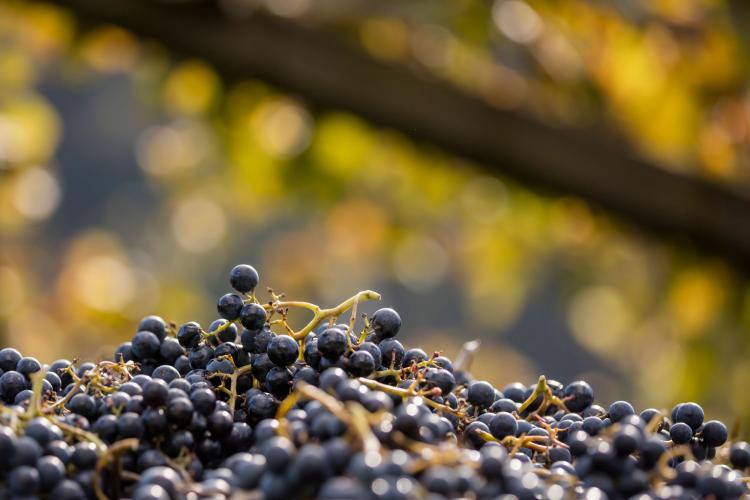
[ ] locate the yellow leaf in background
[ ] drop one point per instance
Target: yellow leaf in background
(342, 144)
(600, 319)
(29, 129)
(110, 49)
(282, 127)
(667, 124)
(45, 30)
(356, 228)
(717, 152)
(494, 271)
(191, 88)
(695, 298)
(16, 70)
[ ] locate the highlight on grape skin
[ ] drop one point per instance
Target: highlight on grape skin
(335, 407)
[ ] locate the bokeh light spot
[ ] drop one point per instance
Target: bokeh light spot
(104, 283)
(37, 193)
(517, 20)
(485, 198)
(173, 149)
(198, 225)
(283, 128)
(12, 290)
(599, 318)
(192, 88)
(420, 263)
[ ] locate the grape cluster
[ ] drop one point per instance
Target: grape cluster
(251, 408)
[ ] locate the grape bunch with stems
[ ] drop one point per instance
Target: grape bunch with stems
(251, 407)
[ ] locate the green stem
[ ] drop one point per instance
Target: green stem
(35, 403)
(542, 389)
(79, 433)
(409, 392)
(220, 329)
(232, 391)
(321, 314)
(110, 453)
(400, 371)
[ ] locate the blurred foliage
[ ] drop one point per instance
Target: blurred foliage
(325, 204)
(671, 75)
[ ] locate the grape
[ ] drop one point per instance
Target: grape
(332, 343)
(11, 383)
(227, 334)
(714, 433)
(155, 392)
(243, 278)
(23, 480)
(221, 415)
(84, 454)
(106, 428)
(130, 425)
(9, 359)
(179, 411)
(502, 424)
(27, 366)
(481, 394)
(155, 325)
(688, 413)
(229, 306)
(739, 455)
(252, 316)
(626, 440)
(619, 410)
(278, 382)
(189, 334)
(51, 472)
(577, 396)
(415, 355)
(283, 350)
(386, 323)
(361, 364)
(441, 379)
(681, 433)
(166, 373)
(392, 352)
(204, 400)
(83, 404)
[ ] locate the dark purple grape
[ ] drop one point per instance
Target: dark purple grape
(243, 278)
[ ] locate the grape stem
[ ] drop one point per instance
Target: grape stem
(408, 392)
(466, 356)
(233, 383)
(359, 422)
(541, 389)
(112, 452)
(662, 466)
(331, 404)
(35, 402)
(321, 314)
(353, 414)
(398, 372)
(78, 383)
(218, 330)
(515, 443)
(431, 455)
(79, 433)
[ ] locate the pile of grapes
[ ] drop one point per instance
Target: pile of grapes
(251, 408)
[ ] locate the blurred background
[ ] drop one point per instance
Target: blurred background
(134, 174)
